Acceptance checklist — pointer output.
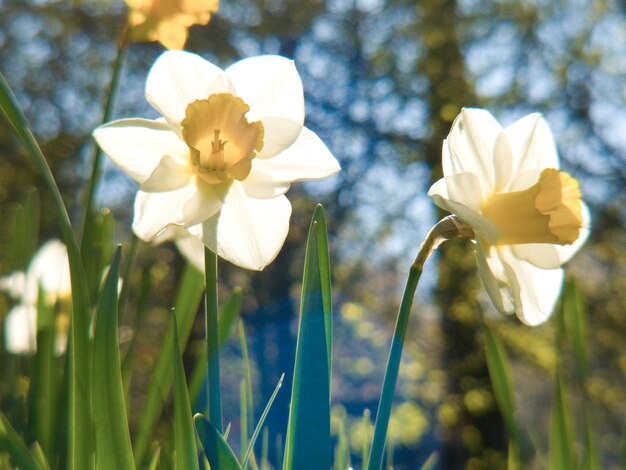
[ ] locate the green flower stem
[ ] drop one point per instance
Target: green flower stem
(88, 215)
(445, 229)
(214, 395)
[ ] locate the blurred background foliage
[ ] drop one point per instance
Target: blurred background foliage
(383, 81)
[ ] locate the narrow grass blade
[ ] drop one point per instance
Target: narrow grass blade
(247, 405)
(366, 426)
(186, 306)
(243, 420)
(113, 449)
(80, 426)
(185, 450)
(561, 452)
(154, 461)
(39, 456)
(431, 461)
(500, 374)
(215, 447)
(12, 444)
(308, 443)
(342, 449)
(261, 422)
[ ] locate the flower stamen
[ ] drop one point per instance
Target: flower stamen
(206, 121)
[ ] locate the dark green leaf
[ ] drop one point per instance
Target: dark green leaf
(113, 449)
(216, 449)
(500, 374)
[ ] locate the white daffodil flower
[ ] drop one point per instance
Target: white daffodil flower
(20, 330)
(528, 217)
(49, 273)
(220, 160)
(48, 270)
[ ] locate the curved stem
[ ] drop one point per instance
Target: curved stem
(445, 229)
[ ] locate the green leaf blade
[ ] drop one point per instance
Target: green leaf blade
(308, 443)
(216, 449)
(561, 453)
(502, 383)
(113, 447)
(185, 450)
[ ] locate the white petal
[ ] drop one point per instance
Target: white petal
(20, 330)
(138, 145)
(523, 179)
(271, 86)
(492, 273)
(536, 290)
(308, 158)
(248, 232)
(14, 284)
(279, 134)
(547, 256)
(171, 232)
(50, 270)
(532, 144)
(155, 211)
(204, 203)
(177, 78)
(471, 143)
(168, 175)
(263, 185)
(464, 189)
(541, 255)
(502, 163)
